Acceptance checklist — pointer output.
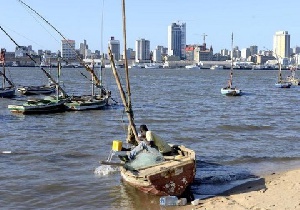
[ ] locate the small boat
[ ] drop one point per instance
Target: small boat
(93, 101)
(152, 66)
(229, 90)
(280, 82)
(172, 176)
(50, 104)
(292, 79)
(166, 175)
(37, 90)
(216, 67)
(193, 66)
(88, 102)
(39, 106)
(5, 91)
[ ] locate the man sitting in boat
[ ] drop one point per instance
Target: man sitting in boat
(148, 139)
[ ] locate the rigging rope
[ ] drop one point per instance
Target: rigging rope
(97, 81)
(47, 74)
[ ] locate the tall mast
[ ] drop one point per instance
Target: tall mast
(231, 66)
(132, 133)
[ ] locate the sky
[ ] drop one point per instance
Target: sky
(252, 22)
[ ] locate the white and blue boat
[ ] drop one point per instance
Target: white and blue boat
(229, 90)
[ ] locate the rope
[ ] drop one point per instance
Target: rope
(78, 57)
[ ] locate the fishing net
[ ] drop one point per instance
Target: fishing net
(145, 159)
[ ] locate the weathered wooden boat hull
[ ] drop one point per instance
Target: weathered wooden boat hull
(38, 107)
(170, 177)
(36, 90)
(81, 103)
(8, 92)
(231, 92)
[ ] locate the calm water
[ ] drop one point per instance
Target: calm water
(55, 156)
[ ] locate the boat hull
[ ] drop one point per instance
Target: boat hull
(82, 103)
(171, 177)
(36, 90)
(38, 107)
(8, 92)
(231, 92)
(283, 85)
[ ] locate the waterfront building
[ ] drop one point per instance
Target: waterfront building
(281, 44)
(142, 51)
(83, 47)
(156, 57)
(245, 53)
(177, 40)
(224, 52)
(201, 53)
(114, 45)
(68, 49)
(253, 50)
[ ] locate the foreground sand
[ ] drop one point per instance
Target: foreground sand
(273, 192)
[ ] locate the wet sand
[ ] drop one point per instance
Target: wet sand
(276, 191)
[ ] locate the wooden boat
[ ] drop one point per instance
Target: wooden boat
(171, 176)
(5, 91)
(37, 90)
(280, 82)
(50, 104)
(88, 102)
(93, 101)
(292, 78)
(40, 106)
(229, 90)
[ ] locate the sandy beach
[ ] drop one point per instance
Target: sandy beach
(277, 191)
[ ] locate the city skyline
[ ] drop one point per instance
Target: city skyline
(252, 24)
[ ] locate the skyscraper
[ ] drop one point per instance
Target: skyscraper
(115, 47)
(177, 39)
(68, 49)
(142, 50)
(281, 44)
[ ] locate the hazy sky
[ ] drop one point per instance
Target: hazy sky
(252, 22)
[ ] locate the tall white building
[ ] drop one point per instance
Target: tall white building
(142, 50)
(68, 49)
(177, 39)
(281, 44)
(115, 47)
(157, 55)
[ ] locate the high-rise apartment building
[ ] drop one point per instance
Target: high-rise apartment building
(114, 45)
(142, 50)
(68, 49)
(177, 40)
(83, 48)
(281, 44)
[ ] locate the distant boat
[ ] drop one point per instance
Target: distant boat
(229, 90)
(5, 91)
(292, 79)
(193, 66)
(37, 90)
(50, 104)
(152, 66)
(280, 82)
(135, 66)
(39, 106)
(216, 67)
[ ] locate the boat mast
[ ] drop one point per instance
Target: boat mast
(132, 136)
(2, 60)
(231, 66)
(47, 74)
